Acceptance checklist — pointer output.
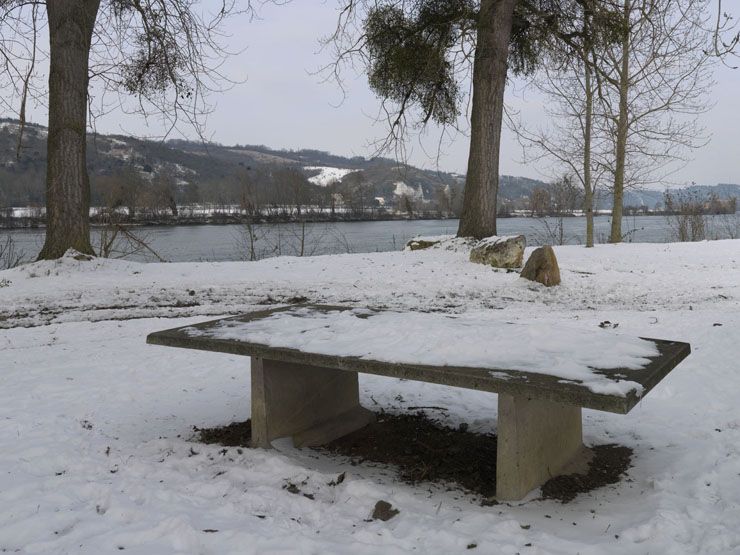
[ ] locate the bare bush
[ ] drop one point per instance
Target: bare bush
(342, 241)
(550, 233)
(118, 240)
(726, 226)
(686, 216)
(252, 241)
(10, 256)
(255, 242)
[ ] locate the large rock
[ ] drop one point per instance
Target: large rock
(542, 267)
(500, 252)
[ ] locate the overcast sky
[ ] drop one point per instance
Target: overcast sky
(283, 104)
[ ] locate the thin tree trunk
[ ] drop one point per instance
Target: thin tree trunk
(71, 25)
(588, 197)
(622, 129)
(478, 218)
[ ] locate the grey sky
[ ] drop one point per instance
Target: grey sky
(283, 105)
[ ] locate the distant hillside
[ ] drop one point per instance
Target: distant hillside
(212, 169)
(211, 166)
(213, 173)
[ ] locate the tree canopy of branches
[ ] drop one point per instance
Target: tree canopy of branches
(652, 86)
(566, 78)
(418, 53)
(624, 112)
(166, 53)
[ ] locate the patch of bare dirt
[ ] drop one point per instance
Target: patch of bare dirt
(424, 450)
(236, 434)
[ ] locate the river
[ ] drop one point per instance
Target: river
(232, 242)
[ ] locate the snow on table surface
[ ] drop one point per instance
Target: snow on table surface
(95, 425)
(469, 340)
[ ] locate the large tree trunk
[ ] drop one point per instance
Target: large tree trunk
(622, 130)
(478, 218)
(71, 25)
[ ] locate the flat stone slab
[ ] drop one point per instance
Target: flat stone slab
(595, 369)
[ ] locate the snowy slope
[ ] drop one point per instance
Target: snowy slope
(327, 174)
(94, 450)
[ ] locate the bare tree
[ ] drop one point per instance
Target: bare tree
(569, 140)
(120, 191)
(292, 188)
(652, 85)
(330, 194)
(21, 27)
(565, 196)
(625, 106)
(251, 235)
(539, 202)
(166, 53)
(567, 81)
(358, 192)
(160, 195)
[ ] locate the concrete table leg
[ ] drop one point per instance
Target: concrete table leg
(537, 440)
(312, 405)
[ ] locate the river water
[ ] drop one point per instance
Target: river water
(232, 242)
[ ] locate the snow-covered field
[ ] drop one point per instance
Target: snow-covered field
(95, 454)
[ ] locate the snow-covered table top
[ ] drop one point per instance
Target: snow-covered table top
(593, 368)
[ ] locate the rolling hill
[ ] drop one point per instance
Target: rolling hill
(212, 172)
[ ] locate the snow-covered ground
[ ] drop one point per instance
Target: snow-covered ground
(327, 174)
(95, 454)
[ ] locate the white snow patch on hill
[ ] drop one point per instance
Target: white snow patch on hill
(327, 174)
(403, 189)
